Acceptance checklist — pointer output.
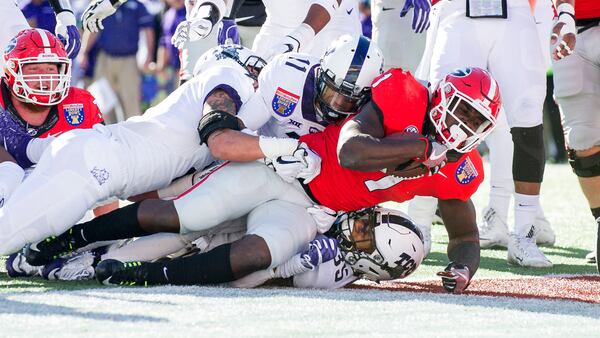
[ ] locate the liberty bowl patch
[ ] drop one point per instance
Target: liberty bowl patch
(466, 172)
(411, 129)
(284, 102)
(74, 113)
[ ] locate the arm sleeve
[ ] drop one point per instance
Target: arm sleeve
(237, 4)
(253, 113)
(60, 6)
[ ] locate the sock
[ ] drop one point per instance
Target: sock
(596, 214)
(500, 201)
(212, 267)
(119, 224)
(526, 208)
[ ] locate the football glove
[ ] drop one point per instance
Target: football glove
(292, 42)
(191, 30)
(228, 32)
(421, 10)
(97, 11)
(320, 250)
(456, 277)
(302, 164)
(67, 33)
(434, 157)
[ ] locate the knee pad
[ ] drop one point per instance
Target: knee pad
(529, 156)
(588, 166)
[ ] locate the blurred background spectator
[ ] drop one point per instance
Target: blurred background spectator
(364, 7)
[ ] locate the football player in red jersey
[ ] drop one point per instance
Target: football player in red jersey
(37, 104)
(464, 111)
(37, 101)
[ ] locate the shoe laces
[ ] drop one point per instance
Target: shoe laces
(526, 247)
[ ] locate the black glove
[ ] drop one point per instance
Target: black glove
(456, 277)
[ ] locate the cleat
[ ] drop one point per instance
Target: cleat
(42, 253)
(591, 257)
(545, 235)
(17, 266)
(113, 272)
(77, 267)
(523, 251)
(492, 231)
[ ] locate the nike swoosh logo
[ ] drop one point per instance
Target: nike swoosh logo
(165, 273)
(244, 18)
(387, 8)
(281, 161)
(435, 157)
(349, 11)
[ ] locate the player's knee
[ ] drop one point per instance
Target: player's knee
(585, 166)
(529, 155)
(249, 254)
(156, 215)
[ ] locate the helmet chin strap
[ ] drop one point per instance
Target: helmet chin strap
(458, 135)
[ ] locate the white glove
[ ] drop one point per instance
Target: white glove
(97, 11)
(67, 33)
(303, 163)
(191, 30)
(292, 42)
(323, 216)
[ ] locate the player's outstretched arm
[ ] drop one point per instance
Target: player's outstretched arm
(463, 245)
(362, 145)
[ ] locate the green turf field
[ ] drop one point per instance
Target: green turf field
(35, 306)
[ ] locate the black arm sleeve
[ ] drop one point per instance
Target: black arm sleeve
(237, 4)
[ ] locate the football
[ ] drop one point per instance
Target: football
(410, 169)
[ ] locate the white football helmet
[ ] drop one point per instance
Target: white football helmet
(344, 78)
(380, 243)
(234, 55)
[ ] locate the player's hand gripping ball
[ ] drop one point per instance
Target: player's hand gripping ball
(411, 169)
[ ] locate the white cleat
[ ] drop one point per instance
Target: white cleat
(523, 251)
(492, 231)
(545, 235)
(76, 267)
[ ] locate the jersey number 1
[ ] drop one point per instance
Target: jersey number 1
(297, 66)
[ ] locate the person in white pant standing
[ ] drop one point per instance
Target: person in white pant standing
(474, 34)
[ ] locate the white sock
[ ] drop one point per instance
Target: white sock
(526, 208)
(500, 200)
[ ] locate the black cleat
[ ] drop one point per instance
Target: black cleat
(42, 253)
(113, 272)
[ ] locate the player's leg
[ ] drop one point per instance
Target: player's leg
(81, 168)
(493, 230)
(401, 46)
(516, 61)
(225, 194)
(576, 81)
(277, 230)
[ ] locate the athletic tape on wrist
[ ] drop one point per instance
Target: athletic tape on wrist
(273, 147)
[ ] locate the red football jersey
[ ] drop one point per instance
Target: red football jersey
(587, 9)
(403, 103)
(77, 111)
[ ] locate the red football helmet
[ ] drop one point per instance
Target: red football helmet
(465, 107)
(34, 46)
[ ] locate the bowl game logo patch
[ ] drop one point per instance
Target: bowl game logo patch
(411, 129)
(284, 102)
(466, 172)
(74, 113)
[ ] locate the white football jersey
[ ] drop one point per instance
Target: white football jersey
(163, 142)
(286, 93)
(333, 274)
(12, 22)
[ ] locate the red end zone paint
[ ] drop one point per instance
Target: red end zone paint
(576, 288)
